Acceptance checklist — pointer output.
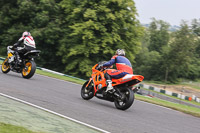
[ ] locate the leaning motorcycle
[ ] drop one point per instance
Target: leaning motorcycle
(123, 95)
(26, 67)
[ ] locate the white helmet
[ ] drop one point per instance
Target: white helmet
(26, 33)
(120, 52)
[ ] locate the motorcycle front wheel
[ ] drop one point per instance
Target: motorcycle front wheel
(5, 68)
(29, 69)
(127, 101)
(87, 92)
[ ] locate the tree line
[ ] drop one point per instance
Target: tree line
(170, 56)
(75, 35)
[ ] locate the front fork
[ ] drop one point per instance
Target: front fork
(88, 82)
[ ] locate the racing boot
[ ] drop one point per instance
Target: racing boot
(109, 86)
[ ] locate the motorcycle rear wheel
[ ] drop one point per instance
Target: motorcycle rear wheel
(87, 92)
(5, 68)
(29, 70)
(127, 102)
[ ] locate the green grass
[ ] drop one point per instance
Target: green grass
(192, 84)
(180, 107)
(7, 128)
(192, 102)
(74, 80)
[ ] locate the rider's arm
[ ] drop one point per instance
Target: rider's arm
(18, 42)
(110, 62)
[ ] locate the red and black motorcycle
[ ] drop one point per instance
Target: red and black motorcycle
(123, 95)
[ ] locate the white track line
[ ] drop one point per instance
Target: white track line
(74, 120)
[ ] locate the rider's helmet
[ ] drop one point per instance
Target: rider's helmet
(120, 52)
(26, 33)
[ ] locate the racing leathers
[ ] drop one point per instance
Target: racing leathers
(123, 66)
(24, 49)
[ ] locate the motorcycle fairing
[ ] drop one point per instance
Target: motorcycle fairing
(10, 55)
(98, 78)
(127, 78)
(32, 52)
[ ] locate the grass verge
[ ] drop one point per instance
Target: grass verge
(179, 107)
(192, 102)
(192, 84)
(7, 128)
(70, 79)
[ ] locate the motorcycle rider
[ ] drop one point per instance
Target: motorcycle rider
(27, 46)
(123, 66)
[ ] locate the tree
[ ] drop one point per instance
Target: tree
(196, 30)
(194, 66)
(159, 35)
(176, 58)
(196, 26)
(94, 30)
(41, 18)
(149, 62)
(181, 53)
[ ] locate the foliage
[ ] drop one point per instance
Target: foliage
(150, 59)
(159, 35)
(169, 56)
(41, 18)
(75, 35)
(181, 52)
(95, 30)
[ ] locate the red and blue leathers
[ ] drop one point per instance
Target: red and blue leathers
(123, 67)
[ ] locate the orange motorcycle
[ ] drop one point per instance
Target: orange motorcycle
(122, 96)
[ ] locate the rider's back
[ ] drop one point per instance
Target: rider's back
(122, 63)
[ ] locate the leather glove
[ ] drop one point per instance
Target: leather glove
(100, 66)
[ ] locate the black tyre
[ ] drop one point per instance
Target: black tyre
(87, 92)
(5, 68)
(127, 102)
(29, 69)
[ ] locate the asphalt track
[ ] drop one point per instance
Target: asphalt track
(64, 98)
